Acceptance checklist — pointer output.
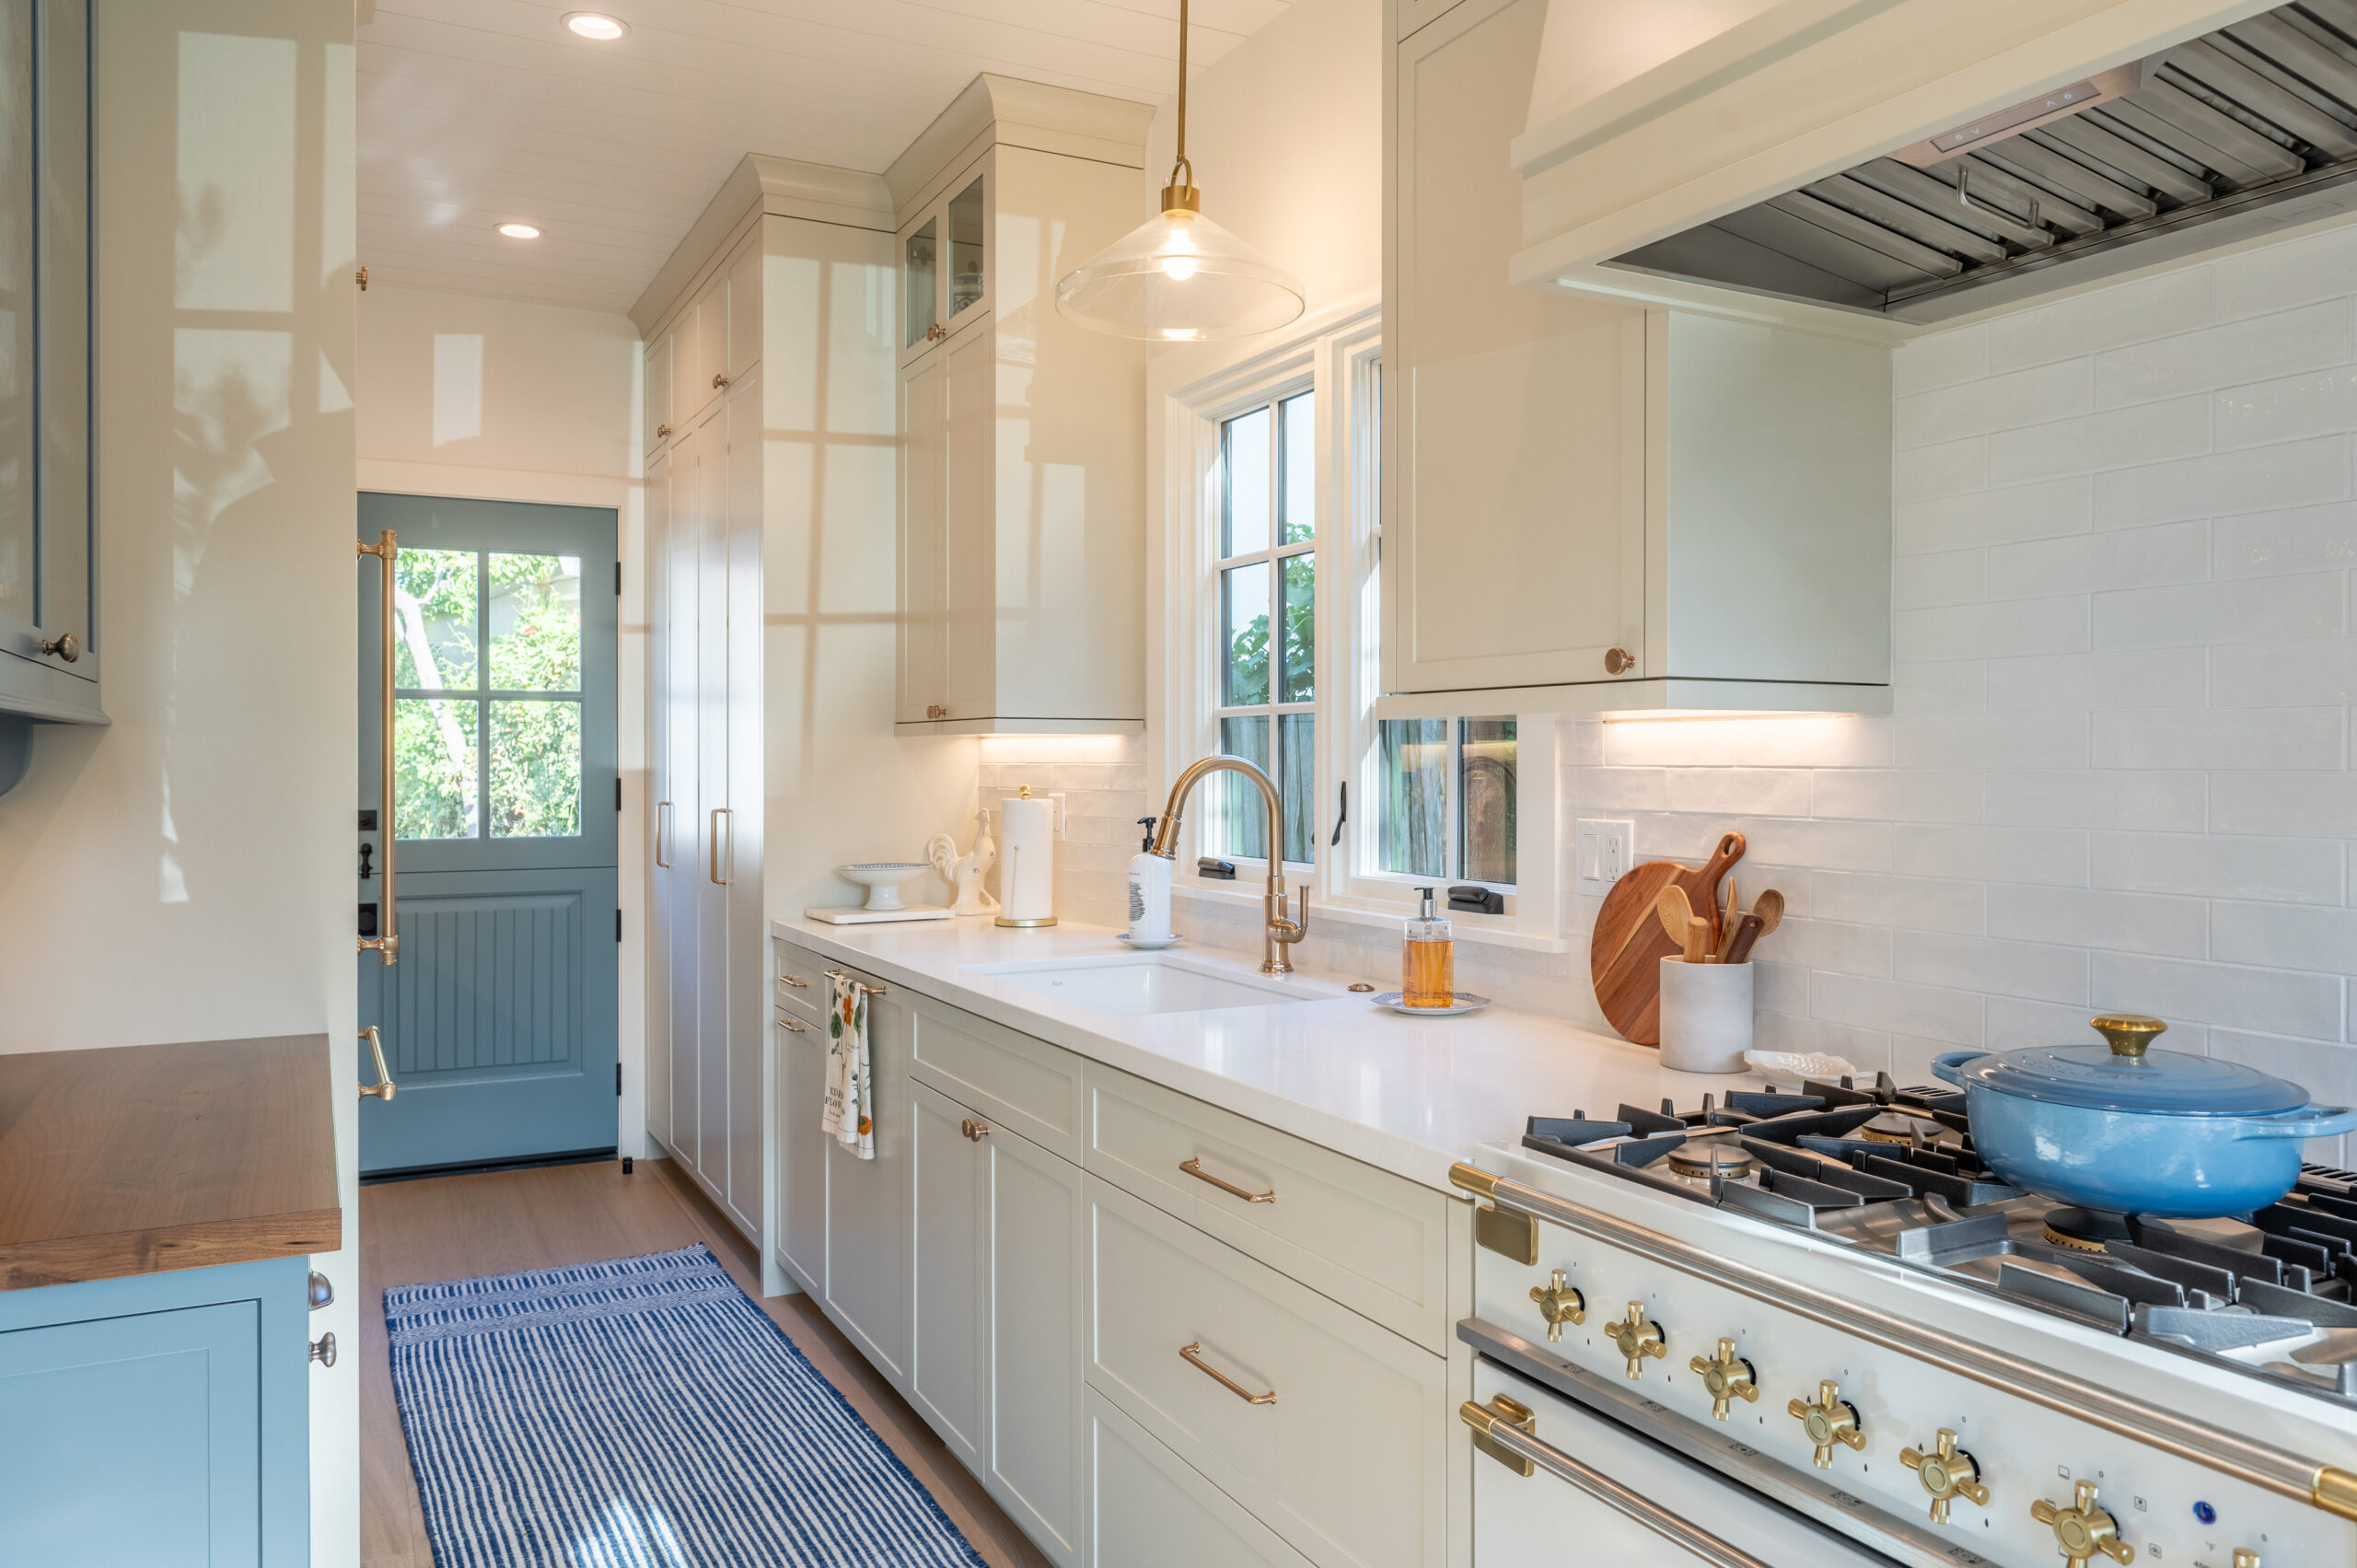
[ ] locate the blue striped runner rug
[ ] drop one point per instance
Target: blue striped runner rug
(641, 1414)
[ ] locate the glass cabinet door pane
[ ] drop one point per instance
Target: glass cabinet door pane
(917, 271)
(1485, 794)
(64, 315)
(968, 255)
(18, 562)
(1411, 828)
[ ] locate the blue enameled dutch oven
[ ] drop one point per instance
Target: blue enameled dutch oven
(2135, 1130)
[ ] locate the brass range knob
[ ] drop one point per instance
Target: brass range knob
(1829, 1420)
(1638, 1339)
(2082, 1529)
(1724, 1378)
(2245, 1558)
(1560, 1303)
(1947, 1473)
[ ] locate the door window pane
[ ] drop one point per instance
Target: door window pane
(434, 767)
(535, 622)
(966, 258)
(433, 610)
(1485, 796)
(1301, 467)
(1244, 621)
(917, 275)
(1239, 816)
(1298, 782)
(535, 782)
(1297, 678)
(1411, 826)
(1244, 504)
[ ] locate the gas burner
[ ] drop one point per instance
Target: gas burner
(1907, 1126)
(2085, 1230)
(1698, 1159)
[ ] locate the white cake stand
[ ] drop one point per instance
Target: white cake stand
(882, 879)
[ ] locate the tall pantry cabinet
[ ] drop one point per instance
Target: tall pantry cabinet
(769, 381)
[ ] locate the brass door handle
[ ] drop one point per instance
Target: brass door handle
(1636, 1339)
(717, 813)
(1947, 1473)
(1194, 1167)
(323, 1349)
(1829, 1420)
(2081, 1529)
(790, 1027)
(383, 1087)
(386, 944)
(68, 648)
(1193, 1354)
(1727, 1377)
(662, 832)
(975, 1131)
(1559, 1304)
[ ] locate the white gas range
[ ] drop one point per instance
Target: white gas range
(1808, 1328)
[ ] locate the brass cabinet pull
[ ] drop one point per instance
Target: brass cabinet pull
(1194, 1167)
(662, 830)
(1193, 1354)
(717, 813)
(873, 987)
(323, 1349)
(68, 648)
(796, 981)
(383, 1087)
(387, 550)
(790, 1027)
(975, 1131)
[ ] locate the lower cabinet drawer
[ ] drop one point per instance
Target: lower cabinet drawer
(1330, 1430)
(1152, 1511)
(801, 985)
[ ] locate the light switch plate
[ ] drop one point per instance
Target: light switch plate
(1607, 850)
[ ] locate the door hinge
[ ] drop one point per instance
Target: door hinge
(618, 795)
(618, 926)
(618, 1080)
(618, 579)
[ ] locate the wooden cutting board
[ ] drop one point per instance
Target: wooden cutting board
(1625, 955)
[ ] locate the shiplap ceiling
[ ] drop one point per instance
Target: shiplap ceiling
(479, 113)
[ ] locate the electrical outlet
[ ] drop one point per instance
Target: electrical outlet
(1607, 850)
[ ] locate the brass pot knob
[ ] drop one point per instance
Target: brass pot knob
(1638, 1339)
(2082, 1529)
(2130, 1034)
(1560, 1303)
(1724, 1378)
(1829, 1420)
(1947, 1473)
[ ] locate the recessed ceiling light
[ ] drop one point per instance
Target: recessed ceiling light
(595, 25)
(519, 231)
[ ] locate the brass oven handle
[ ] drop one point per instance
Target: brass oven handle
(662, 827)
(383, 1087)
(717, 813)
(1193, 1354)
(1194, 1167)
(387, 946)
(873, 987)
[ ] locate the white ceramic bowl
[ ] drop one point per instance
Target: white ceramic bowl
(882, 879)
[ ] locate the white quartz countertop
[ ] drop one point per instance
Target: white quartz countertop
(1411, 1095)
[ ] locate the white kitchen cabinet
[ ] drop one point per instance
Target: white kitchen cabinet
(949, 1278)
(660, 888)
(1023, 458)
(655, 413)
(1591, 505)
(802, 1148)
(1150, 1509)
(867, 1271)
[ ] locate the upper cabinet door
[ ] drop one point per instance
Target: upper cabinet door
(1514, 435)
(712, 341)
(745, 310)
(657, 390)
(1413, 13)
(690, 389)
(946, 262)
(924, 543)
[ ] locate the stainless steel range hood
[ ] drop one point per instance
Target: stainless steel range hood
(2242, 131)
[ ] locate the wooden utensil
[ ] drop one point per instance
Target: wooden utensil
(1625, 954)
(1697, 940)
(1728, 922)
(1674, 913)
(1746, 931)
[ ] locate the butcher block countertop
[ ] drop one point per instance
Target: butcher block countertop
(146, 1157)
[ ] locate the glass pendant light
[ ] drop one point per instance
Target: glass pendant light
(1180, 277)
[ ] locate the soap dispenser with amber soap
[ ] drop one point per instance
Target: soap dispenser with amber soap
(1428, 974)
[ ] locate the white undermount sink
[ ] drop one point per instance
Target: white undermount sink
(1132, 984)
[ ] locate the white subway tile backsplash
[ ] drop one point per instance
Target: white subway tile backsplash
(1953, 577)
(2268, 1000)
(1925, 1012)
(1997, 402)
(2150, 801)
(1993, 516)
(2284, 937)
(2041, 683)
(1729, 791)
(2322, 402)
(2016, 1022)
(2219, 738)
(2302, 805)
(1828, 945)
(2117, 439)
(1949, 686)
(1947, 468)
(2018, 626)
(2248, 610)
(1942, 360)
(2056, 855)
(2132, 313)
(2121, 558)
(1894, 794)
(2321, 670)
(2315, 266)
(1991, 965)
(1990, 741)
(2150, 678)
(2308, 539)
(2254, 479)
(2091, 917)
(2253, 349)
(2304, 871)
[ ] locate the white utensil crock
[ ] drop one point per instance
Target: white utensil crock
(1705, 1016)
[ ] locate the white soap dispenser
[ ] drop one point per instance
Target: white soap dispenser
(1149, 893)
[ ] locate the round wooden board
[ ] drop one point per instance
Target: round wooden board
(1625, 954)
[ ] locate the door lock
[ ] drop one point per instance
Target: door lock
(365, 851)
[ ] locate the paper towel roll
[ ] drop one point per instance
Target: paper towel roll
(1027, 860)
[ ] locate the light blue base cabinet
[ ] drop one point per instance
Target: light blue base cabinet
(159, 1420)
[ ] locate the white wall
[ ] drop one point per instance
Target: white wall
(503, 399)
(185, 873)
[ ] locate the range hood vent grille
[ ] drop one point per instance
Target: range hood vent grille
(2252, 126)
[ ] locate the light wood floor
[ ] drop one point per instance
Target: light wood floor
(452, 1227)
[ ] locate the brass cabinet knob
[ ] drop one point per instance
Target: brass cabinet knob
(1829, 1420)
(718, 381)
(936, 332)
(662, 431)
(1637, 1339)
(1560, 1304)
(1947, 1473)
(68, 648)
(974, 1131)
(2081, 1529)
(1619, 661)
(1727, 1377)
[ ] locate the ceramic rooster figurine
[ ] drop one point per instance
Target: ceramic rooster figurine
(965, 874)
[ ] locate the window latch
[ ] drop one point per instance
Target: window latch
(1340, 817)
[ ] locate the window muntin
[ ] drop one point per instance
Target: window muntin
(499, 758)
(1266, 574)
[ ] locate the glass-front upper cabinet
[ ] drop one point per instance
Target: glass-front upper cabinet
(48, 646)
(946, 262)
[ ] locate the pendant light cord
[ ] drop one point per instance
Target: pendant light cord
(1181, 195)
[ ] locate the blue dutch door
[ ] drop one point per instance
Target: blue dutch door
(499, 1016)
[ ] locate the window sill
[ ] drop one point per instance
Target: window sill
(1481, 931)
